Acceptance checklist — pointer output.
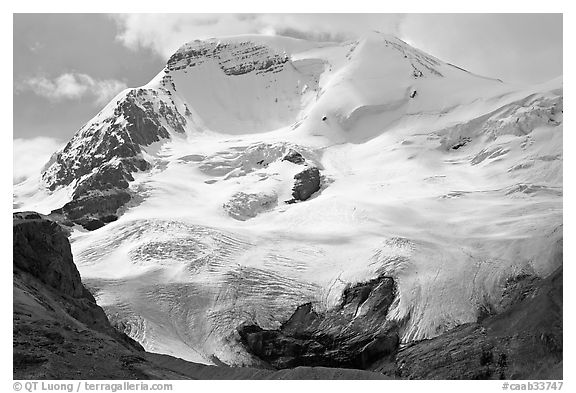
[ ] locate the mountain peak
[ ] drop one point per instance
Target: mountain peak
(258, 83)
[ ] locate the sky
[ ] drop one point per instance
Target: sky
(66, 67)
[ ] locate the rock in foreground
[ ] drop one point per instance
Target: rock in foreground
(353, 335)
(522, 341)
(306, 183)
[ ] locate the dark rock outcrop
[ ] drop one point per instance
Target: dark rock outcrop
(101, 158)
(523, 341)
(463, 141)
(41, 249)
(108, 148)
(306, 183)
(108, 177)
(353, 335)
(234, 59)
(143, 123)
(93, 209)
(294, 157)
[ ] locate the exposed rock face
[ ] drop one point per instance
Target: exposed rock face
(108, 177)
(144, 112)
(93, 209)
(524, 341)
(259, 58)
(101, 158)
(353, 335)
(461, 143)
(306, 183)
(108, 148)
(41, 249)
(294, 157)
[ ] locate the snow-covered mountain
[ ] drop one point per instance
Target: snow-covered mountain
(255, 174)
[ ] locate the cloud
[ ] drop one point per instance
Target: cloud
(30, 155)
(523, 48)
(165, 33)
(72, 86)
(319, 36)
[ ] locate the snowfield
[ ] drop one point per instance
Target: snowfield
(447, 181)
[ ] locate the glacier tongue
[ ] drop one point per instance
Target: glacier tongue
(448, 182)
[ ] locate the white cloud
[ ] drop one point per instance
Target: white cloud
(71, 86)
(30, 155)
(514, 47)
(165, 33)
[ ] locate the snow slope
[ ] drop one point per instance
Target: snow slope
(448, 181)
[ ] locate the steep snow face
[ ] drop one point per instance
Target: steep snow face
(449, 182)
(374, 83)
(242, 86)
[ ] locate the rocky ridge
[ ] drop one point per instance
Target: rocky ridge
(256, 58)
(98, 162)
